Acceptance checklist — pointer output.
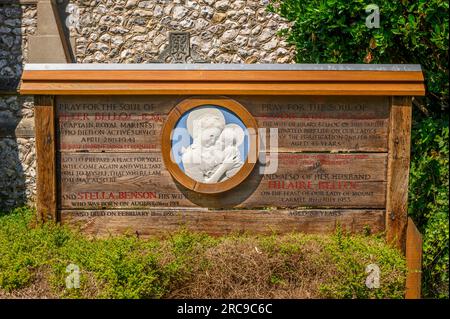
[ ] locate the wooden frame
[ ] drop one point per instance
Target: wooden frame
(396, 83)
(222, 82)
(44, 117)
(398, 171)
(413, 261)
(166, 143)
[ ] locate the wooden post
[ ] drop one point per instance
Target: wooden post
(413, 261)
(400, 230)
(398, 171)
(44, 117)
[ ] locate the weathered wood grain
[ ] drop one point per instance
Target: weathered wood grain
(337, 87)
(104, 123)
(163, 221)
(75, 104)
(223, 75)
(398, 171)
(44, 116)
(304, 123)
(323, 123)
(413, 261)
(136, 180)
(332, 135)
(337, 107)
(310, 107)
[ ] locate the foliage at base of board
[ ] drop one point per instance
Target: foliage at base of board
(34, 260)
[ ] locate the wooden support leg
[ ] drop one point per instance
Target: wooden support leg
(398, 171)
(44, 118)
(413, 261)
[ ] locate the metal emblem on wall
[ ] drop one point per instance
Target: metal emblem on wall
(179, 50)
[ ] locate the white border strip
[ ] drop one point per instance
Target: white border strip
(217, 67)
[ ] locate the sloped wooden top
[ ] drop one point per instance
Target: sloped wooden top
(213, 79)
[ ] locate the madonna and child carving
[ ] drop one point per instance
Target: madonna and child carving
(212, 144)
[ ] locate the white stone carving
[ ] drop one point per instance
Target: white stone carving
(214, 154)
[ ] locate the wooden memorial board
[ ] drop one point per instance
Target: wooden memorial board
(106, 158)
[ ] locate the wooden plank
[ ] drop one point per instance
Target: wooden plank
(413, 261)
(317, 107)
(112, 123)
(138, 180)
(332, 135)
(222, 76)
(219, 88)
(398, 171)
(303, 123)
(163, 221)
(328, 123)
(44, 117)
(72, 104)
(110, 132)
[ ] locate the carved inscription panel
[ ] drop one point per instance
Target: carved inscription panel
(330, 155)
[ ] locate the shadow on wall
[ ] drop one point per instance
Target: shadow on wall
(17, 156)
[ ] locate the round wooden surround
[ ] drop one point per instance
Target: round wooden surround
(166, 144)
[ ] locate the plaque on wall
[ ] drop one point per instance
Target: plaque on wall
(154, 147)
(209, 145)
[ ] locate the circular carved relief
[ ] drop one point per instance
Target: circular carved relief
(209, 145)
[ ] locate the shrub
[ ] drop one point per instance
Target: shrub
(191, 265)
(334, 31)
(428, 200)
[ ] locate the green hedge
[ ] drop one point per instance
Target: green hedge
(428, 200)
(335, 31)
(33, 259)
(416, 31)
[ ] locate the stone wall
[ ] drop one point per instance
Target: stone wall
(123, 31)
(16, 23)
(17, 155)
(136, 31)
